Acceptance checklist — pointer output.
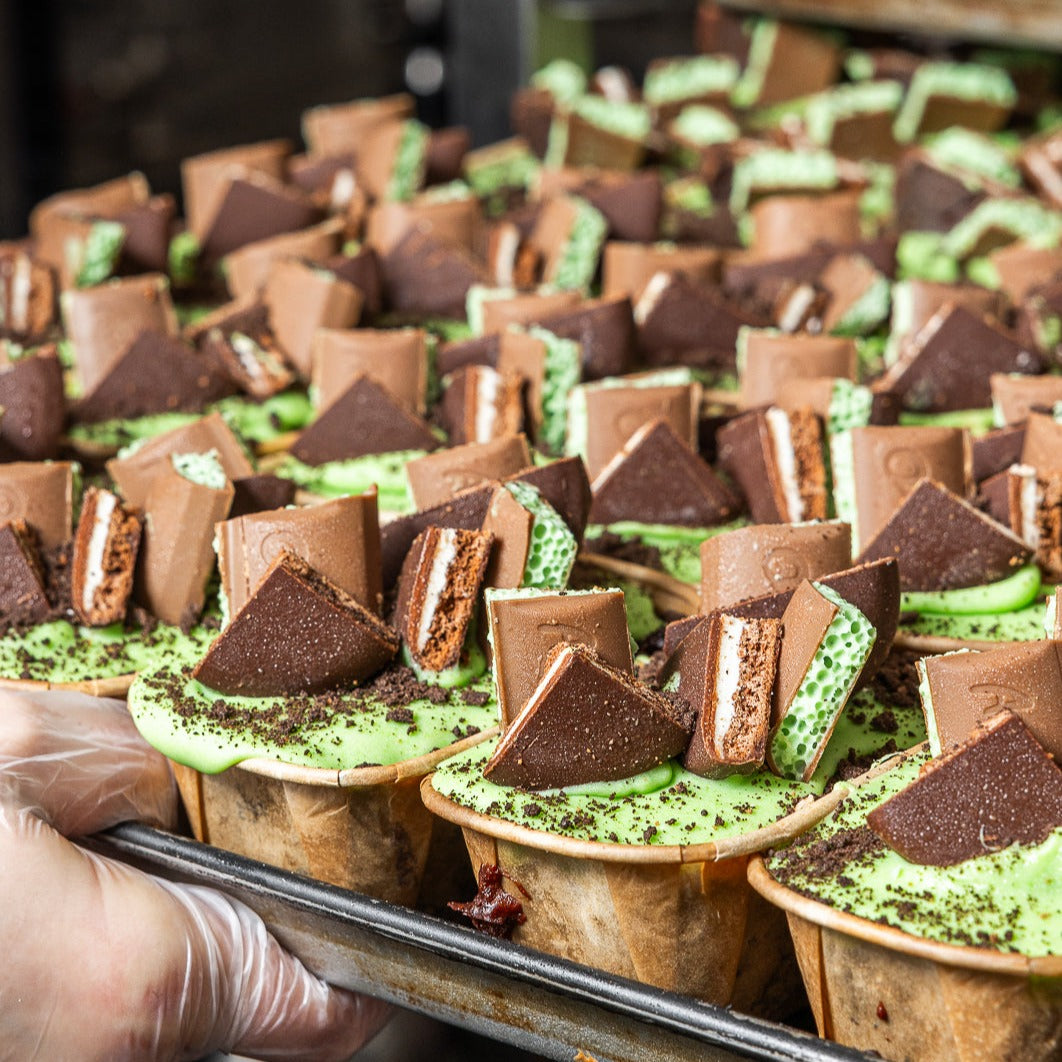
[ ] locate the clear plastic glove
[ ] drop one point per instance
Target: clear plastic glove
(102, 961)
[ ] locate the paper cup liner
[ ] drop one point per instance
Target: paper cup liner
(116, 686)
(364, 829)
(927, 644)
(880, 989)
(682, 918)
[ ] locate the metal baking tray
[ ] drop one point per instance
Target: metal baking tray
(512, 994)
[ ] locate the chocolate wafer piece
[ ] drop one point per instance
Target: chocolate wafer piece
(104, 558)
(27, 295)
(480, 404)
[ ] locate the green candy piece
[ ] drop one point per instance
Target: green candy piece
(578, 261)
(1015, 592)
(551, 552)
(96, 257)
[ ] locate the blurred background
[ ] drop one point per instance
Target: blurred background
(90, 89)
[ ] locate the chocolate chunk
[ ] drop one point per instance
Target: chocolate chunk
(492, 910)
(628, 488)
(31, 396)
(104, 560)
(772, 361)
(999, 788)
(260, 493)
(340, 539)
(428, 276)
(631, 202)
(943, 543)
(27, 295)
(480, 404)
(248, 269)
(435, 478)
(996, 451)
(23, 598)
(156, 373)
(396, 358)
(789, 225)
(41, 494)
(585, 721)
(524, 629)
(526, 308)
(148, 228)
(480, 350)
(340, 128)
(297, 633)
(364, 419)
(604, 329)
(511, 526)
(750, 562)
(628, 267)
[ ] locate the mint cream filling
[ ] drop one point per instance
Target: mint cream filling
(868, 311)
(842, 472)
(962, 81)
(407, 174)
(703, 126)
(850, 406)
(761, 49)
(513, 167)
(552, 547)
(800, 736)
(562, 371)
(964, 149)
(976, 421)
(682, 79)
(778, 169)
(1006, 899)
(203, 469)
(336, 479)
(578, 261)
(94, 259)
(825, 109)
(630, 120)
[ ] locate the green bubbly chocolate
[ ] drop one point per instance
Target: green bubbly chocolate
(336, 479)
(578, 261)
(373, 725)
(408, 170)
(1006, 899)
(96, 257)
(688, 78)
(552, 549)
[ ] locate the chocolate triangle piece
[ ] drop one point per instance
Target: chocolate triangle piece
(148, 228)
(363, 270)
(998, 788)
(585, 722)
(396, 358)
(943, 543)
(725, 670)
(628, 488)
(436, 477)
(929, 198)
(31, 396)
(511, 525)
(1015, 396)
(437, 593)
(604, 330)
(104, 561)
(259, 494)
(365, 419)
(427, 276)
(297, 633)
(23, 600)
(157, 373)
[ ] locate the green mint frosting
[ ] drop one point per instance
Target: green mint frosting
(336, 479)
(410, 159)
(963, 81)
(563, 369)
(682, 79)
(579, 257)
(96, 257)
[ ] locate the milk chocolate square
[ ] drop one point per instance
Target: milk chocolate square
(248, 269)
(772, 360)
(526, 308)
(628, 267)
(101, 200)
(785, 225)
(41, 494)
(438, 476)
(31, 396)
(1015, 396)
(397, 358)
(510, 525)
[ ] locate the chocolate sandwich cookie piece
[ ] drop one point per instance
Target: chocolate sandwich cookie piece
(629, 486)
(428, 276)
(436, 477)
(840, 403)
(301, 297)
(297, 633)
(104, 559)
(340, 539)
(1015, 397)
(585, 722)
(259, 494)
(721, 31)
(438, 592)
(569, 235)
(943, 543)
(248, 269)
(628, 267)
(750, 562)
(996, 451)
(1042, 444)
(27, 295)
(23, 597)
(102, 321)
(498, 308)
(788, 225)
(1033, 502)
(526, 625)
(825, 645)
(176, 552)
(456, 219)
(777, 459)
(875, 468)
(396, 358)
(340, 128)
(364, 419)
(40, 493)
(961, 691)
(480, 404)
(255, 207)
(999, 788)
(946, 365)
(156, 373)
(604, 330)
(31, 396)
(511, 261)
(786, 61)
(135, 472)
(770, 361)
(725, 672)
(680, 321)
(205, 178)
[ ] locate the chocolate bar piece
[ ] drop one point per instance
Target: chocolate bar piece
(31, 396)
(23, 598)
(297, 633)
(41, 494)
(436, 477)
(604, 330)
(104, 561)
(27, 295)
(247, 270)
(1015, 397)
(259, 494)
(453, 220)
(771, 361)
(524, 308)
(996, 451)
(999, 788)
(426, 275)
(1042, 444)
(1034, 507)
(480, 404)
(628, 267)
(341, 128)
(788, 225)
(396, 358)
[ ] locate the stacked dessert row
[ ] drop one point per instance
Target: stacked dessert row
(624, 473)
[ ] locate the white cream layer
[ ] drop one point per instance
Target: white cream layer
(97, 548)
(785, 460)
(438, 577)
(727, 678)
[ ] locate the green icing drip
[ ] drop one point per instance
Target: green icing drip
(336, 479)
(798, 740)
(410, 159)
(1022, 219)
(1022, 625)
(1006, 899)
(964, 81)
(761, 50)
(355, 733)
(562, 79)
(777, 169)
(703, 126)
(96, 257)
(472, 665)
(183, 257)
(923, 256)
(59, 651)
(552, 549)
(965, 149)
(850, 406)
(682, 79)
(563, 367)
(1015, 592)
(578, 262)
(977, 421)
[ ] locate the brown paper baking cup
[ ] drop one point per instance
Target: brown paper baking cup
(682, 918)
(927, 644)
(117, 686)
(364, 829)
(880, 989)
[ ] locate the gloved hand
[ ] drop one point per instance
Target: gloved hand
(102, 961)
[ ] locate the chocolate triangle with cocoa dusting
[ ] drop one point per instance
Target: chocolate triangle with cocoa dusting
(586, 722)
(997, 789)
(23, 600)
(365, 419)
(297, 633)
(31, 396)
(630, 486)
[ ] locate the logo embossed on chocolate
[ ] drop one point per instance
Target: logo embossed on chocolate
(904, 467)
(272, 543)
(10, 503)
(461, 479)
(992, 698)
(784, 564)
(551, 633)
